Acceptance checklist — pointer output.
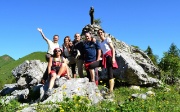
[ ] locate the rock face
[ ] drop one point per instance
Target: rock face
(134, 64)
(69, 88)
(28, 76)
(29, 73)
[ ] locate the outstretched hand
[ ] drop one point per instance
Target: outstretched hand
(39, 29)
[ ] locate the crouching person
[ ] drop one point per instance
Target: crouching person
(56, 68)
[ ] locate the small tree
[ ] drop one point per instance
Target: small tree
(97, 21)
(153, 57)
(174, 50)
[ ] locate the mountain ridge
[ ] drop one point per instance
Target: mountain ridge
(5, 59)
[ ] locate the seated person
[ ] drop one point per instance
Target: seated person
(56, 68)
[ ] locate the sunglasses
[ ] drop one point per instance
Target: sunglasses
(58, 51)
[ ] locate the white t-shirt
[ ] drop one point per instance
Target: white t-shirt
(51, 46)
(105, 46)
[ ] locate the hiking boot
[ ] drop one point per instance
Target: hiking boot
(109, 96)
(48, 93)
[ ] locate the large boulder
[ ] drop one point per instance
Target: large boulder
(69, 88)
(29, 73)
(134, 64)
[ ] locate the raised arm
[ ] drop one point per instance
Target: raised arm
(40, 30)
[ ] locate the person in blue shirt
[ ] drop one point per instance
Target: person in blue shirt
(92, 53)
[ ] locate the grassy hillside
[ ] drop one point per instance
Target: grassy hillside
(6, 76)
(5, 59)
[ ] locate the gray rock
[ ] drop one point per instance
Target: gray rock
(8, 88)
(141, 96)
(21, 94)
(69, 88)
(29, 73)
(150, 93)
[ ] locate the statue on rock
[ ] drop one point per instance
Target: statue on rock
(91, 13)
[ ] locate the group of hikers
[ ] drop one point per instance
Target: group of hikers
(89, 52)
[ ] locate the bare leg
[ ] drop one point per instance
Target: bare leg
(51, 82)
(67, 69)
(111, 85)
(62, 69)
(92, 74)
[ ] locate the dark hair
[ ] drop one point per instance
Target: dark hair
(68, 38)
(89, 33)
(55, 50)
(101, 30)
(56, 35)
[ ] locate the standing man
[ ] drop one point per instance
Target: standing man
(51, 46)
(92, 53)
(78, 46)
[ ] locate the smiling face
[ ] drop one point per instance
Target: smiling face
(67, 40)
(55, 38)
(101, 34)
(77, 37)
(57, 52)
(88, 37)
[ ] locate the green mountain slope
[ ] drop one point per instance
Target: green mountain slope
(5, 59)
(6, 76)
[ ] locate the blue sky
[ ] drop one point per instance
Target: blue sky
(136, 22)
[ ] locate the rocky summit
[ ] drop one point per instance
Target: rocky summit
(134, 67)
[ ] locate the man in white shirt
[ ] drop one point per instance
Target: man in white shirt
(51, 44)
